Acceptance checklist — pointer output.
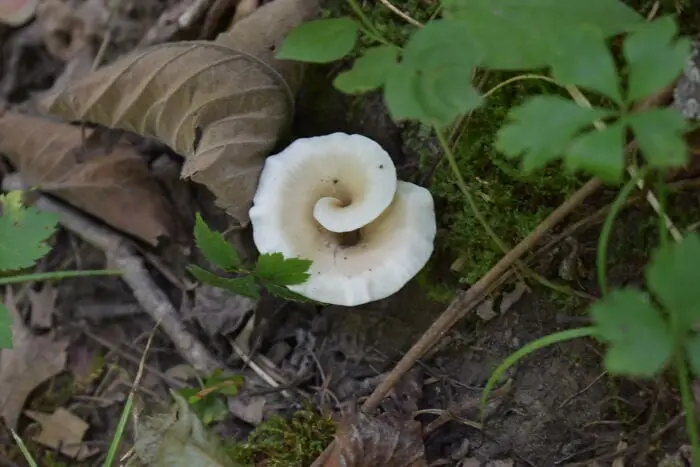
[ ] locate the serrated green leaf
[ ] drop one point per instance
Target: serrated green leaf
(541, 129)
(519, 34)
(214, 247)
(369, 72)
(275, 268)
(640, 342)
(672, 276)
(400, 94)
(281, 291)
(659, 134)
(440, 43)
(23, 236)
(432, 82)
(653, 57)
(591, 66)
(320, 41)
(600, 153)
(5, 327)
(692, 352)
(244, 285)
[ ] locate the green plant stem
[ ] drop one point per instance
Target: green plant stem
(691, 424)
(367, 26)
(45, 276)
(661, 196)
(527, 349)
(462, 185)
(604, 238)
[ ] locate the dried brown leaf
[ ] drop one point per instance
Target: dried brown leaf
(386, 441)
(62, 431)
(221, 104)
(33, 360)
(114, 186)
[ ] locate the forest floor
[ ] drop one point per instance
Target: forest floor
(86, 336)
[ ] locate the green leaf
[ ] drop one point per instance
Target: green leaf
(369, 72)
(5, 328)
(692, 351)
(23, 234)
(600, 153)
(640, 343)
(672, 275)
(432, 82)
(275, 268)
(653, 57)
(215, 248)
(244, 285)
(519, 34)
(591, 66)
(659, 133)
(400, 94)
(284, 293)
(320, 41)
(541, 129)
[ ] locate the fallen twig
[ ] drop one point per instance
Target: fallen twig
(120, 253)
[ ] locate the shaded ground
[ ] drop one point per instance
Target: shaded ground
(559, 408)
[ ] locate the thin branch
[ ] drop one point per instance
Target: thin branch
(120, 253)
(405, 16)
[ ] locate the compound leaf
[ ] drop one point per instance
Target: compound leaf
(520, 34)
(541, 129)
(653, 57)
(23, 233)
(672, 275)
(400, 94)
(244, 285)
(214, 246)
(659, 133)
(591, 66)
(432, 82)
(320, 41)
(275, 268)
(599, 152)
(640, 342)
(369, 72)
(281, 291)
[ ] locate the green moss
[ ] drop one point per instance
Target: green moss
(392, 27)
(286, 442)
(512, 203)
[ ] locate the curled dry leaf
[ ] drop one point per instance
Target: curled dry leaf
(386, 441)
(114, 186)
(221, 104)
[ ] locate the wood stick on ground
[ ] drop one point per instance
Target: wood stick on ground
(467, 301)
(119, 252)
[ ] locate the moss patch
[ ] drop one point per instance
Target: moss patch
(513, 203)
(286, 442)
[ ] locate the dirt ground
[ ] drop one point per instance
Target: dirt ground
(558, 406)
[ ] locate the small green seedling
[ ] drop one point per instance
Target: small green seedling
(272, 271)
(209, 401)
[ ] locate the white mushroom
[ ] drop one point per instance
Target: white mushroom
(17, 12)
(335, 200)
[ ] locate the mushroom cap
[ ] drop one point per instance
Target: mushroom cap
(17, 12)
(316, 191)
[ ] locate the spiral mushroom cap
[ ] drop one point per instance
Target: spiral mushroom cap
(335, 200)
